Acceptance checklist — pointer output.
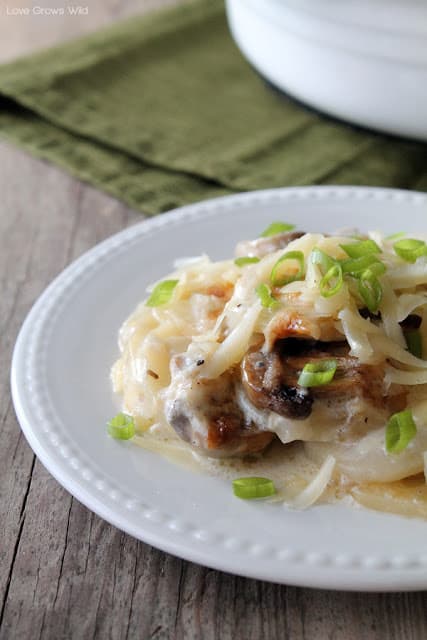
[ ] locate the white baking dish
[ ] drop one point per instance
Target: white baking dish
(361, 60)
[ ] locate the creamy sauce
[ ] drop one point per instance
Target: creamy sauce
(286, 465)
(291, 470)
(177, 363)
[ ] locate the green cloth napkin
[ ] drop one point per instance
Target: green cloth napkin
(163, 110)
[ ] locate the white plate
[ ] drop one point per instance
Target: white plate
(362, 60)
(61, 391)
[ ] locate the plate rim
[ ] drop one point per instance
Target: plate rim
(368, 575)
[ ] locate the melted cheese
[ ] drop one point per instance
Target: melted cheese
(215, 316)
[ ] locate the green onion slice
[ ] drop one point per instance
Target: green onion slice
(362, 248)
(280, 281)
(315, 374)
(322, 259)
(400, 430)
(244, 260)
(410, 249)
(370, 290)
(276, 227)
(264, 294)
(332, 281)
(121, 427)
(395, 236)
(414, 342)
(161, 293)
(378, 268)
(253, 487)
(355, 266)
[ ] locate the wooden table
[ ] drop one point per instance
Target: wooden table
(64, 573)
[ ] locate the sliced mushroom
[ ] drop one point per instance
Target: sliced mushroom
(205, 413)
(262, 377)
(270, 381)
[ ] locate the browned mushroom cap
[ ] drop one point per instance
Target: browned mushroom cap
(206, 414)
(223, 434)
(271, 379)
(262, 377)
(229, 436)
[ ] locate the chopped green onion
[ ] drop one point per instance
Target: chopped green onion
(362, 248)
(322, 259)
(410, 249)
(370, 290)
(414, 342)
(400, 430)
(276, 227)
(315, 374)
(278, 281)
(264, 294)
(244, 260)
(253, 487)
(394, 236)
(332, 281)
(378, 268)
(121, 427)
(355, 266)
(161, 293)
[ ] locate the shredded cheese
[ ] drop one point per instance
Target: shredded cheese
(215, 317)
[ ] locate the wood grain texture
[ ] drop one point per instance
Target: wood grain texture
(64, 572)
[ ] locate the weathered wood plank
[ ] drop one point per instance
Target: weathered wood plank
(73, 575)
(37, 243)
(47, 219)
(64, 573)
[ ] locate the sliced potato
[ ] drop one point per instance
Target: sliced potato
(406, 497)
